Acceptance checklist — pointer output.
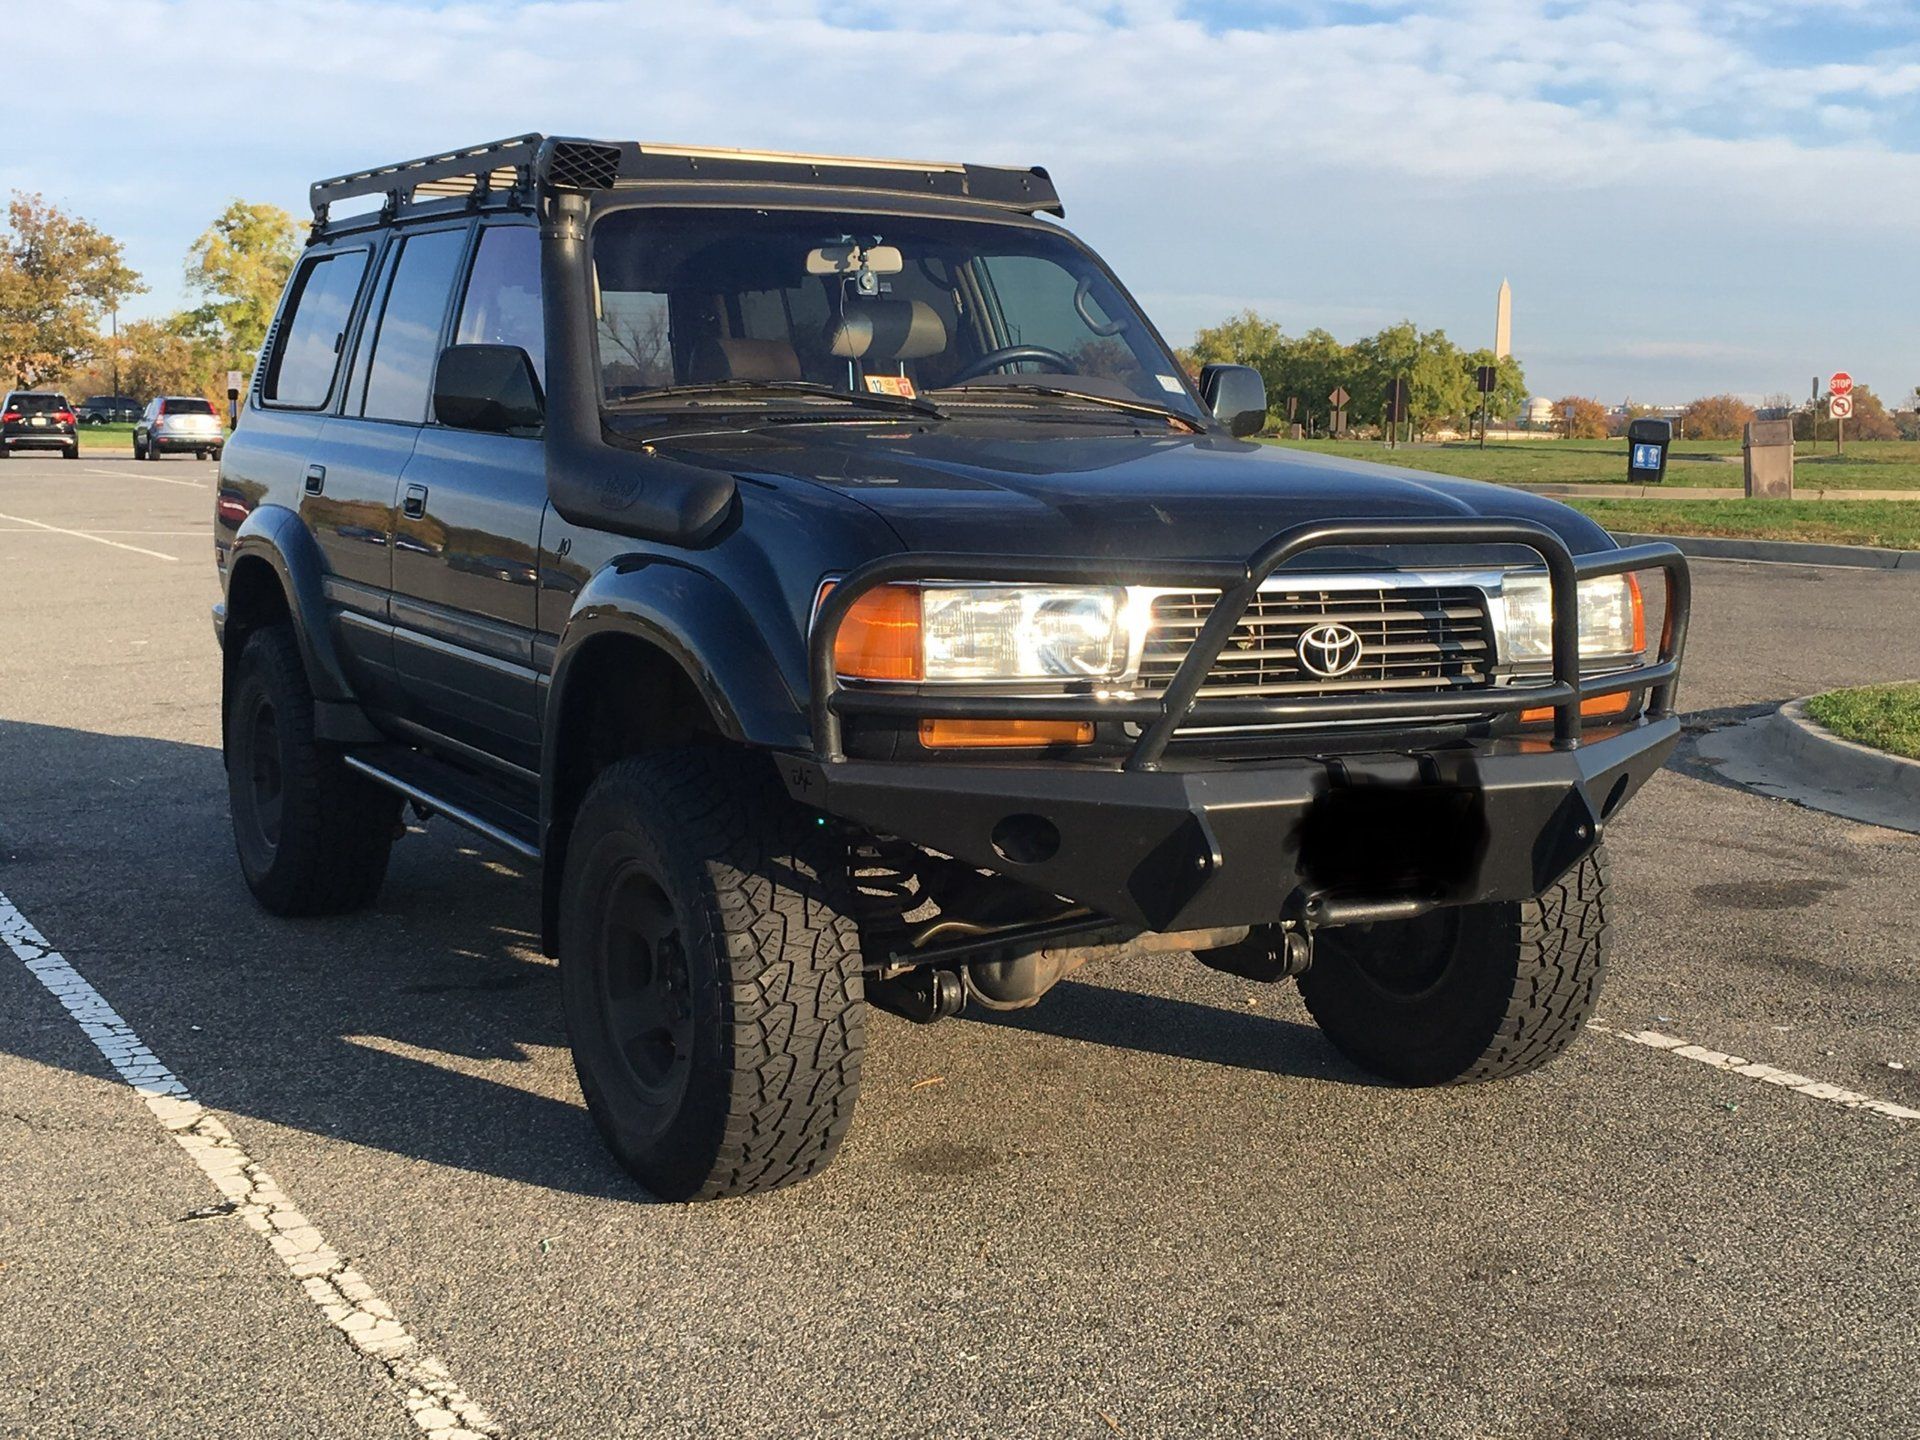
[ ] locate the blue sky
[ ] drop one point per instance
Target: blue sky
(1686, 198)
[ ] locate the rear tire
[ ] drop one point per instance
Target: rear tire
(710, 974)
(74, 453)
(1470, 993)
(312, 835)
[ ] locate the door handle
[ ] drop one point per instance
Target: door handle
(316, 479)
(415, 505)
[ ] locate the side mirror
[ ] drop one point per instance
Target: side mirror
(488, 387)
(1237, 396)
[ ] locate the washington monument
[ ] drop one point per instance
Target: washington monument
(1503, 324)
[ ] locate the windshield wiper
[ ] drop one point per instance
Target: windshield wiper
(1057, 392)
(747, 389)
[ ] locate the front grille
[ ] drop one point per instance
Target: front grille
(1412, 638)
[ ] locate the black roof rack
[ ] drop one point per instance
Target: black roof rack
(523, 163)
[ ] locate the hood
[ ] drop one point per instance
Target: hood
(1024, 488)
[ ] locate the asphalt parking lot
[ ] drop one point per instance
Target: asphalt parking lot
(1157, 1205)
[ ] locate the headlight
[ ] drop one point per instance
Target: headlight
(1611, 621)
(1005, 632)
(984, 632)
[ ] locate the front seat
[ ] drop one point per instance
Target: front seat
(722, 357)
(882, 332)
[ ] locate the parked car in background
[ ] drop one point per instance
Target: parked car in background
(108, 410)
(178, 422)
(38, 420)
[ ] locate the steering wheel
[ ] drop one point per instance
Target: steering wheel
(1010, 354)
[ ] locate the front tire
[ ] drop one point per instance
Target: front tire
(312, 835)
(1467, 993)
(710, 975)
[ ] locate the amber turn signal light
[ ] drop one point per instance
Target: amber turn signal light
(1002, 734)
(1599, 705)
(880, 637)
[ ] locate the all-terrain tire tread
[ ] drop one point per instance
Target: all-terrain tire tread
(338, 826)
(1563, 944)
(793, 1013)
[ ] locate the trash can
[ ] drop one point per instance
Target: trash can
(1767, 453)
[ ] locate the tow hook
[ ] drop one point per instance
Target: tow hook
(1269, 954)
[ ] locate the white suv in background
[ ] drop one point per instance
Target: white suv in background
(178, 422)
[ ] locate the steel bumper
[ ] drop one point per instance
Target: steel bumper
(1332, 841)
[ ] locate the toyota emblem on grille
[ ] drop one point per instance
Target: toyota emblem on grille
(1328, 651)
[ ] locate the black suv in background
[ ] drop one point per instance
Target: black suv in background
(108, 410)
(38, 420)
(824, 572)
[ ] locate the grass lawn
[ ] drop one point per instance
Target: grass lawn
(1867, 465)
(1886, 717)
(96, 438)
(1887, 524)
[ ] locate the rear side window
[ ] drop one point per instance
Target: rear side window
(502, 304)
(408, 343)
(307, 350)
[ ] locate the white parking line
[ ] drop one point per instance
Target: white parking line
(143, 475)
(1755, 1070)
(83, 535)
(438, 1406)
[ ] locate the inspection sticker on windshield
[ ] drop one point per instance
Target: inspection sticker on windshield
(1169, 383)
(891, 385)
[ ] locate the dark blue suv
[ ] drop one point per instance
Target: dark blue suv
(827, 576)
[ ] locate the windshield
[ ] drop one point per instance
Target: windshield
(872, 305)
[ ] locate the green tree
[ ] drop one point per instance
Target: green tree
(58, 275)
(240, 265)
(1509, 383)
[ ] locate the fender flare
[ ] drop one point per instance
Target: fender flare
(274, 534)
(698, 622)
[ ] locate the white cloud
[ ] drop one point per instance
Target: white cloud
(1597, 152)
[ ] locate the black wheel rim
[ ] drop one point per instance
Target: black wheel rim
(1410, 958)
(646, 994)
(264, 779)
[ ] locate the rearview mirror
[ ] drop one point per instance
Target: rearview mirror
(488, 387)
(1237, 396)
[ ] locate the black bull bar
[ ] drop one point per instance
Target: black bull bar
(1229, 845)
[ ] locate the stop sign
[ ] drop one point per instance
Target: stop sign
(1841, 383)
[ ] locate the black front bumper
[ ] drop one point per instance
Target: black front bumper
(1327, 840)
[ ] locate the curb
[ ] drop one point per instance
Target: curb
(1783, 552)
(1789, 755)
(1829, 762)
(1606, 490)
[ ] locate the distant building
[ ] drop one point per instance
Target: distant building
(1503, 323)
(1537, 411)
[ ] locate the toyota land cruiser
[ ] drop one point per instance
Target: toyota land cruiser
(824, 573)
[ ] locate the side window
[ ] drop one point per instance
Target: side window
(408, 343)
(307, 350)
(502, 303)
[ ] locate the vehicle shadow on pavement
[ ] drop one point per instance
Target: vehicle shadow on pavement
(1180, 1030)
(426, 1026)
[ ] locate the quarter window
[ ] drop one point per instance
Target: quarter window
(502, 304)
(408, 344)
(307, 352)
